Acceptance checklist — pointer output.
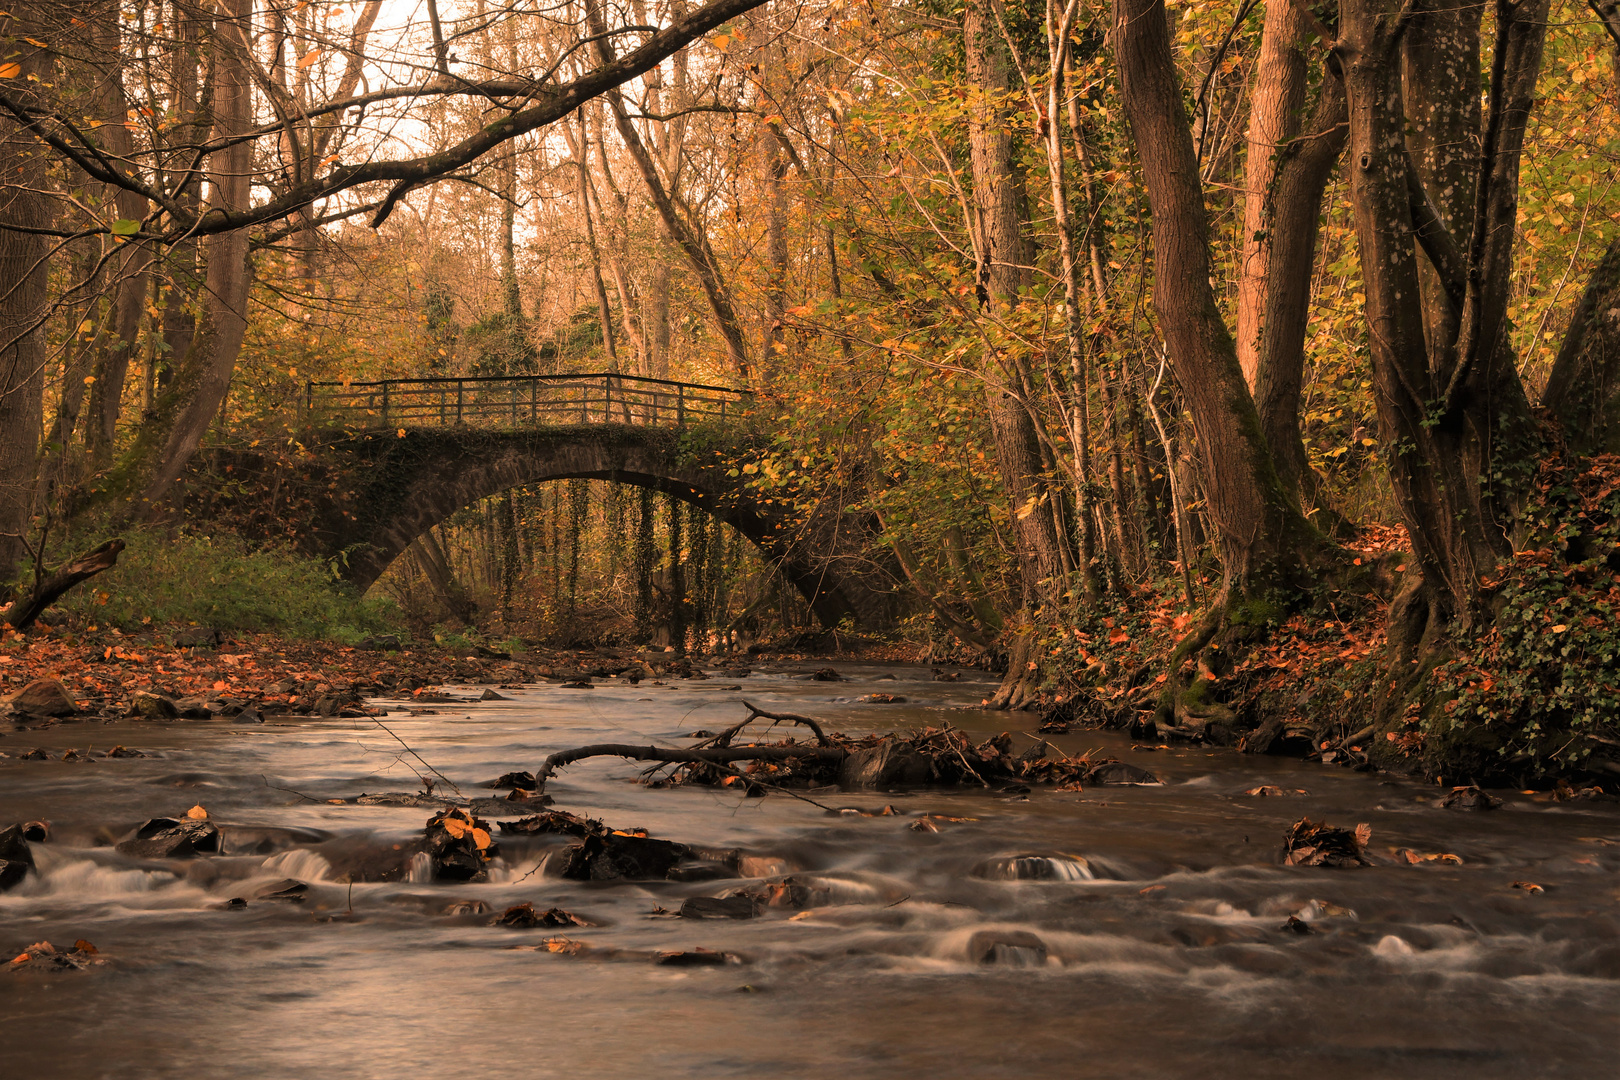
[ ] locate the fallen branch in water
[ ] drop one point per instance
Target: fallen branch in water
(754, 713)
(420, 758)
(722, 755)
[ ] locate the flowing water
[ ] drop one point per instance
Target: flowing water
(1115, 932)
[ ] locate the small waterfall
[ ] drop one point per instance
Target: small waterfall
(1034, 868)
(300, 864)
(421, 872)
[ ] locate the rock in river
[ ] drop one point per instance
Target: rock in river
(167, 838)
(44, 697)
(618, 856)
(16, 857)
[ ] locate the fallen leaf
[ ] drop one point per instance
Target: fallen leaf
(1529, 886)
(1416, 857)
(197, 813)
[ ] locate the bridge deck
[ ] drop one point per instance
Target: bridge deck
(522, 400)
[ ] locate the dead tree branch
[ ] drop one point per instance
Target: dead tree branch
(23, 612)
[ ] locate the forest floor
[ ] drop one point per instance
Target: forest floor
(110, 674)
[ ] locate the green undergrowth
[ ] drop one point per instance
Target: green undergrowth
(220, 582)
(1539, 693)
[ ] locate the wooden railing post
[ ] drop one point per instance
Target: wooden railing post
(680, 405)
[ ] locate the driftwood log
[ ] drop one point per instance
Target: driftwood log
(22, 613)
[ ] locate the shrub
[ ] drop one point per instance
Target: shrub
(222, 581)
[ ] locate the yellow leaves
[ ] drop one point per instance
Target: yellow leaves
(308, 58)
(197, 813)
(721, 41)
(1559, 629)
(401, 433)
(1529, 886)
(459, 827)
(10, 71)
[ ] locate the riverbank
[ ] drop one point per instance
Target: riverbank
(200, 673)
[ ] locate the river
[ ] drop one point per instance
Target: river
(1155, 941)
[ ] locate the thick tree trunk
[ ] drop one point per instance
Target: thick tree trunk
(1274, 122)
(1440, 54)
(1264, 540)
(23, 282)
(1451, 408)
(1291, 219)
(128, 271)
(191, 127)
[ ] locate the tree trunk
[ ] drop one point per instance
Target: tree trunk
(183, 413)
(24, 302)
(582, 164)
(1003, 254)
(1274, 122)
(1291, 226)
(690, 240)
(1439, 55)
(1074, 293)
(1264, 540)
(1451, 408)
(435, 567)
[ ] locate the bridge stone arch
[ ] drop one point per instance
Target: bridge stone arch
(404, 481)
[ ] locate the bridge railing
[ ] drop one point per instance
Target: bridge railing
(522, 400)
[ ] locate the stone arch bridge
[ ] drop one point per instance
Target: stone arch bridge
(400, 456)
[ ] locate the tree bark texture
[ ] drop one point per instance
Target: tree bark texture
(1291, 222)
(1274, 122)
(23, 282)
